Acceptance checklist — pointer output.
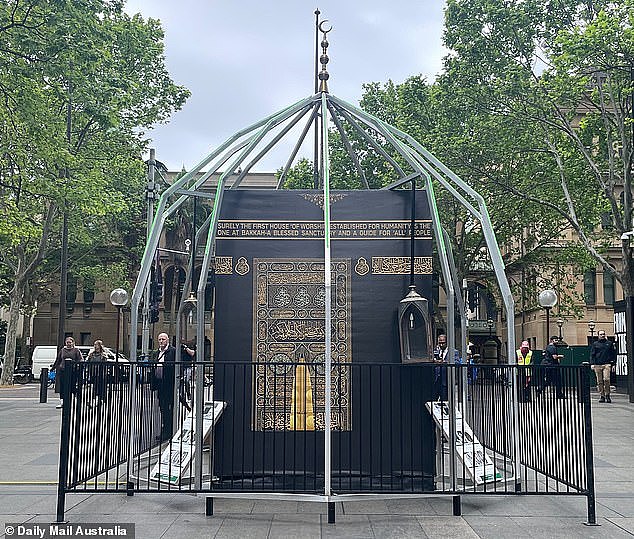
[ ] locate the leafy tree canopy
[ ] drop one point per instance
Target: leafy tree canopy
(80, 84)
(544, 88)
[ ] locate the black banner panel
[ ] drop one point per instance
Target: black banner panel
(269, 329)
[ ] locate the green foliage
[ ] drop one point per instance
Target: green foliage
(80, 83)
(300, 176)
(433, 116)
(536, 95)
(106, 276)
(532, 111)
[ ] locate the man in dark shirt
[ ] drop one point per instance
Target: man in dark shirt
(550, 364)
(603, 361)
(440, 372)
(163, 382)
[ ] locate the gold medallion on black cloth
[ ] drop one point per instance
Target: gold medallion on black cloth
(289, 322)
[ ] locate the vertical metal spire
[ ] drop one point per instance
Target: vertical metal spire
(327, 301)
(317, 13)
(323, 75)
(316, 143)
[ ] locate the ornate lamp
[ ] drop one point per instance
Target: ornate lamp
(560, 323)
(414, 322)
(414, 325)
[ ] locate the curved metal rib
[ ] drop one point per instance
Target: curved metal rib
(268, 147)
(346, 142)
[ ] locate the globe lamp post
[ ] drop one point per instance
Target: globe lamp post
(547, 299)
(118, 298)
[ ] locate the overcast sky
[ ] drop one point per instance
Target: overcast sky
(243, 60)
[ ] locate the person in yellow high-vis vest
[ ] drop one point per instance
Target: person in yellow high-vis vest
(524, 357)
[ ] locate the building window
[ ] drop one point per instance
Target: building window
(606, 221)
(590, 287)
(608, 288)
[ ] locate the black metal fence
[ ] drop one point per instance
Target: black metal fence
(547, 426)
(94, 437)
(513, 430)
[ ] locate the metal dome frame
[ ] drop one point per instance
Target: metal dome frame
(239, 153)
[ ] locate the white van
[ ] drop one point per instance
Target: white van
(43, 356)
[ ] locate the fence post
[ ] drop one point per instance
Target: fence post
(451, 396)
(65, 439)
(517, 392)
(132, 421)
(331, 512)
(457, 510)
(43, 384)
(587, 418)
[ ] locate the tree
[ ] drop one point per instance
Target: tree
(299, 176)
(546, 90)
(431, 114)
(80, 82)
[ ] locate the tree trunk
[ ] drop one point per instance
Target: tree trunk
(23, 272)
(625, 275)
(15, 298)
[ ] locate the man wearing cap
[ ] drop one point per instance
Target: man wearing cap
(603, 361)
(525, 357)
(550, 363)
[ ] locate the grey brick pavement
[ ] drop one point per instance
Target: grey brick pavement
(29, 434)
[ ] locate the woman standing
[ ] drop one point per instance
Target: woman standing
(97, 374)
(68, 352)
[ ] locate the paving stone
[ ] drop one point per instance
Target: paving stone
(347, 526)
(293, 525)
(366, 507)
(442, 526)
(396, 526)
(28, 461)
(251, 526)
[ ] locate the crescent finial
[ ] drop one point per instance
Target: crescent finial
(322, 29)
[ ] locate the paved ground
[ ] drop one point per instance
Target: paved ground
(29, 433)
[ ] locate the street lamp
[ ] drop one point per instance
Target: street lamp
(547, 299)
(560, 323)
(118, 298)
(591, 326)
(490, 325)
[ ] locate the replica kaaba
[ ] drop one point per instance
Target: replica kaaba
(270, 311)
(319, 325)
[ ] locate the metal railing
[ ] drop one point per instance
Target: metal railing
(513, 430)
(551, 432)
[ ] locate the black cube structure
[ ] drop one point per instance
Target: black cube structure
(269, 310)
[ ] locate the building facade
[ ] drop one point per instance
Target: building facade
(89, 313)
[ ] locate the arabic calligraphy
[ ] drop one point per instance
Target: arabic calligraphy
(289, 318)
(297, 330)
(401, 265)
